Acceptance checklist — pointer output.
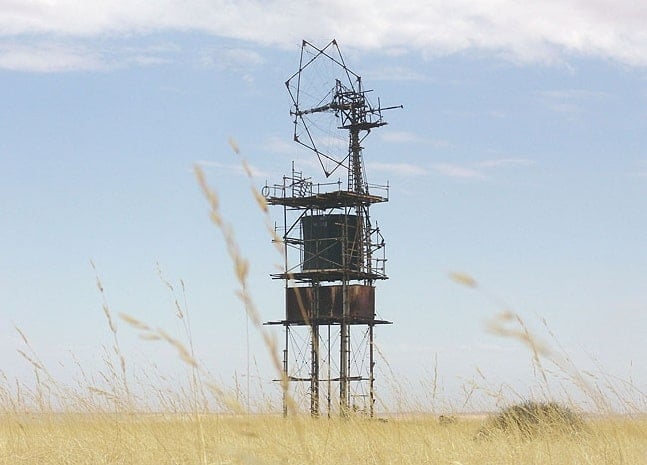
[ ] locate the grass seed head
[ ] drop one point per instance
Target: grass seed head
(463, 279)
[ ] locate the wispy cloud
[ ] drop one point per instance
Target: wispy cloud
(395, 73)
(501, 162)
(400, 137)
(452, 170)
(641, 169)
(406, 137)
(231, 168)
(49, 58)
(45, 56)
(479, 170)
(569, 102)
(574, 94)
(279, 145)
(233, 59)
(548, 32)
(400, 169)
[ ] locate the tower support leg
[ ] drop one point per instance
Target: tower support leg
(371, 375)
(285, 381)
(343, 371)
(314, 371)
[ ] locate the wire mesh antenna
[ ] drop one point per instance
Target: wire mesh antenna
(328, 97)
(334, 254)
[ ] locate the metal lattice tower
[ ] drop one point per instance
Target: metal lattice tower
(334, 254)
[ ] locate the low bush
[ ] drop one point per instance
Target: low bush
(530, 419)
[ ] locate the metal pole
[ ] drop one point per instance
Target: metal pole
(285, 384)
(343, 343)
(348, 369)
(285, 380)
(371, 376)
(314, 372)
(343, 362)
(356, 183)
(329, 380)
(314, 351)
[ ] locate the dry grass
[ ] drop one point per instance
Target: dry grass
(108, 423)
(255, 439)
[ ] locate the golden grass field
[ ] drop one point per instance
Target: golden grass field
(49, 423)
(259, 439)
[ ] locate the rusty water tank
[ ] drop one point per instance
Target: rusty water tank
(331, 242)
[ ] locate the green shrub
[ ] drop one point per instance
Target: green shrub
(531, 419)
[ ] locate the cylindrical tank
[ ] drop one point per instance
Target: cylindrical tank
(326, 238)
(300, 304)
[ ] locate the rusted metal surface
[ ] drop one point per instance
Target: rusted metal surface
(302, 308)
(335, 199)
(331, 242)
(333, 251)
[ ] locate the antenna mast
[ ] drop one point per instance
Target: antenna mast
(331, 246)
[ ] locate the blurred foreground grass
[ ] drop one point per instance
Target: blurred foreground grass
(42, 424)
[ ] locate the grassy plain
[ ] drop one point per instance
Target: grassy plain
(58, 439)
(50, 424)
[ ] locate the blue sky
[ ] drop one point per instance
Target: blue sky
(518, 158)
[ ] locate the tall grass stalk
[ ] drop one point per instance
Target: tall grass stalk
(241, 270)
(105, 417)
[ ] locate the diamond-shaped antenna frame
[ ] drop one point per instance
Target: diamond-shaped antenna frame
(328, 100)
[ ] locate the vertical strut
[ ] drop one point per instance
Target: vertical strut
(343, 353)
(328, 391)
(356, 182)
(333, 281)
(314, 353)
(285, 380)
(314, 372)
(371, 376)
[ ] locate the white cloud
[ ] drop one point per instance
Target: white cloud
(400, 169)
(574, 94)
(641, 170)
(457, 171)
(544, 31)
(569, 101)
(478, 170)
(501, 162)
(49, 58)
(405, 137)
(397, 73)
(232, 58)
(227, 168)
(400, 136)
(280, 145)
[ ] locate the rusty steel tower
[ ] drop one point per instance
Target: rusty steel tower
(334, 252)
